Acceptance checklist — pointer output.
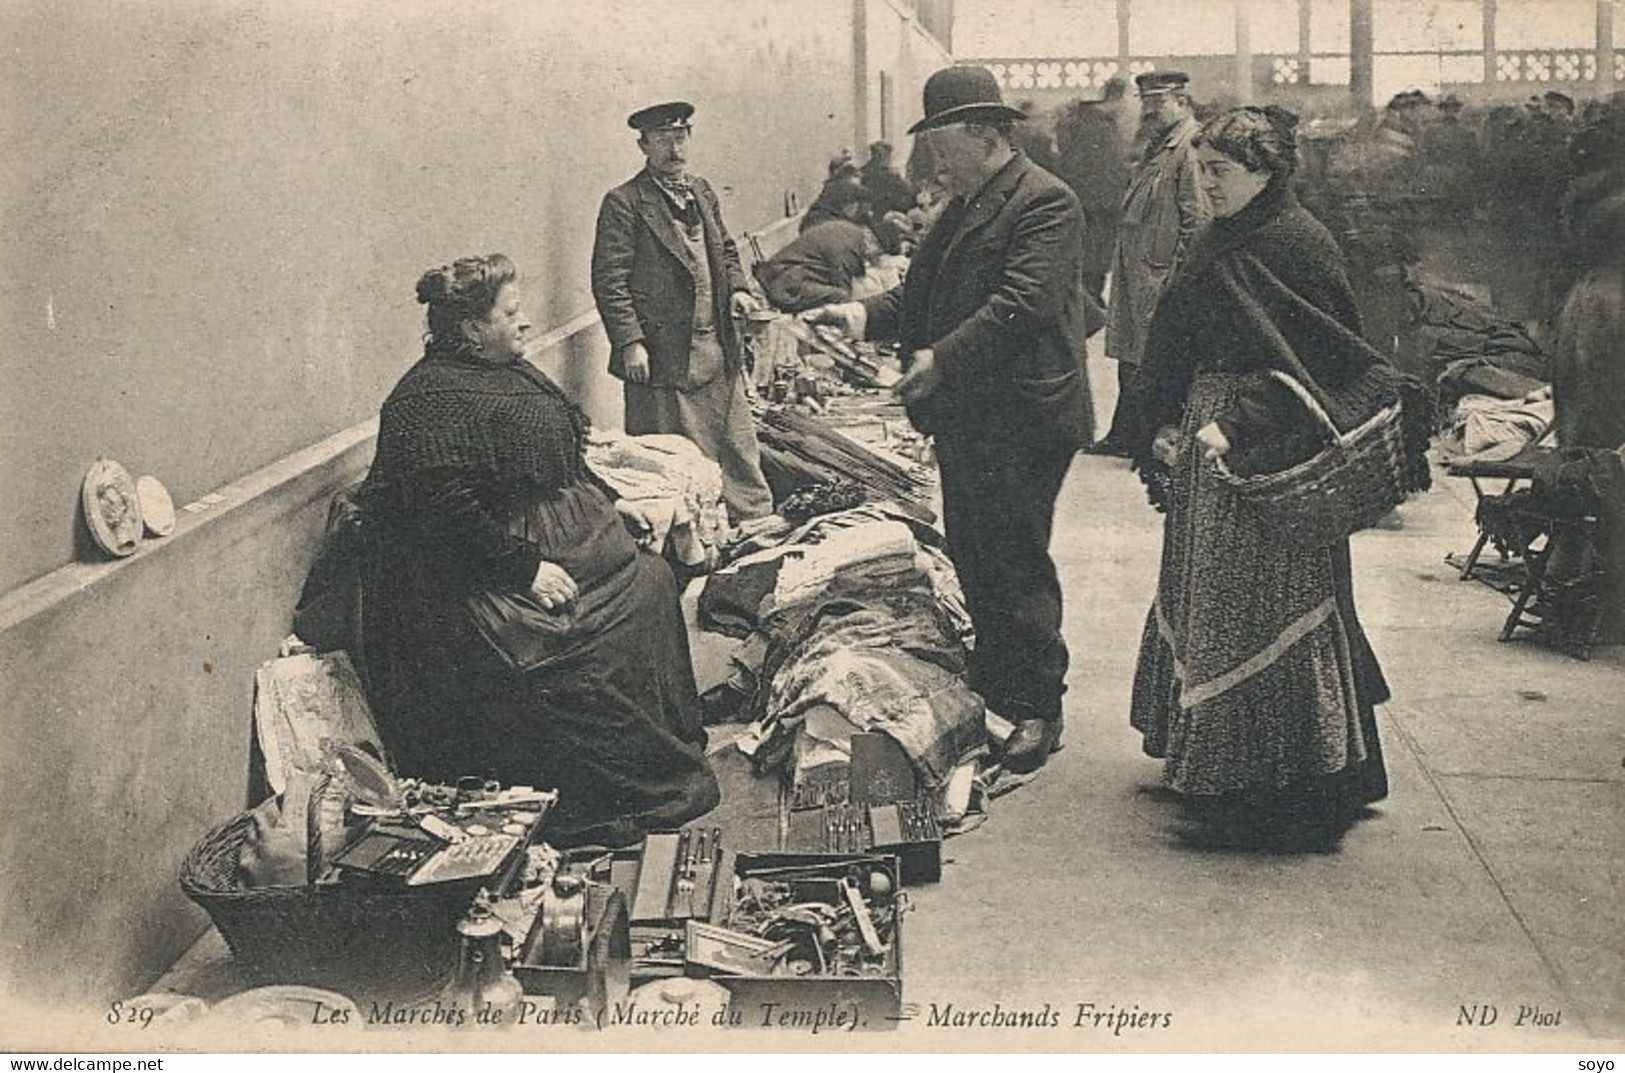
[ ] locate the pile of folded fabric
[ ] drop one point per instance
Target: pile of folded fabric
(782, 565)
(1494, 391)
(853, 621)
(678, 487)
(1483, 428)
(1470, 347)
(881, 551)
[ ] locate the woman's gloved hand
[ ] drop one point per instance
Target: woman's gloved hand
(553, 587)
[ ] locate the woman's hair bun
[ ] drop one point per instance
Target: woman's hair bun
(432, 286)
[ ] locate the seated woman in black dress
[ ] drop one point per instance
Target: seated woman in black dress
(513, 627)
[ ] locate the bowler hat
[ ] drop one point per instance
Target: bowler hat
(673, 115)
(963, 94)
(1152, 83)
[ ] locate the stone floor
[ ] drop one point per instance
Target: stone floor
(1491, 876)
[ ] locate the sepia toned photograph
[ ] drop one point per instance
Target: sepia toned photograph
(812, 526)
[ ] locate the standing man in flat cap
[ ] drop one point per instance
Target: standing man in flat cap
(668, 283)
(991, 320)
(1163, 209)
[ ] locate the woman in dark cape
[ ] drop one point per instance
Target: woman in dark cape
(1255, 682)
(514, 628)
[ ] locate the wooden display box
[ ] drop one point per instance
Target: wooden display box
(599, 972)
(616, 873)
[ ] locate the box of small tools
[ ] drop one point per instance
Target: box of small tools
(809, 940)
(880, 806)
(676, 877)
(907, 830)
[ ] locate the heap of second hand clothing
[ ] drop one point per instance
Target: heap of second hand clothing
(852, 622)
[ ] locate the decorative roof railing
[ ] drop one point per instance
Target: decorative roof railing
(1085, 73)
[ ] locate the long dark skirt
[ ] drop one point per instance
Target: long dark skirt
(1255, 682)
(597, 702)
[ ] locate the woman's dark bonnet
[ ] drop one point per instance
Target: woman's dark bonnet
(1259, 139)
(459, 292)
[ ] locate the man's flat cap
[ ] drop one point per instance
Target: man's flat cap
(673, 115)
(1154, 82)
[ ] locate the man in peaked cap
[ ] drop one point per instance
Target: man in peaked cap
(991, 319)
(668, 283)
(1163, 209)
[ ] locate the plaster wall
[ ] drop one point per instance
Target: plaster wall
(217, 210)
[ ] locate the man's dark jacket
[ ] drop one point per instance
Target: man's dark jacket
(996, 290)
(818, 267)
(643, 278)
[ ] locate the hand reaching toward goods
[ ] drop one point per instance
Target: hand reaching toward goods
(924, 376)
(849, 317)
(637, 521)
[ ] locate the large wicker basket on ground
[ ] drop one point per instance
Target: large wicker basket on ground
(363, 941)
(1350, 485)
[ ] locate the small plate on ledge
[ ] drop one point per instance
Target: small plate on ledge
(157, 509)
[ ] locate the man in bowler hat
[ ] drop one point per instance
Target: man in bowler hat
(668, 283)
(1164, 208)
(991, 323)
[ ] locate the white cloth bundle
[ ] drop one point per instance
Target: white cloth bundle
(678, 487)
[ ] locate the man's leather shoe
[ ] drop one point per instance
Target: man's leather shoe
(1030, 744)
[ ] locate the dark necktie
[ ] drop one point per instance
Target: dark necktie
(679, 191)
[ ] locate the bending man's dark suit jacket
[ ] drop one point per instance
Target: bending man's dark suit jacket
(818, 267)
(643, 279)
(996, 290)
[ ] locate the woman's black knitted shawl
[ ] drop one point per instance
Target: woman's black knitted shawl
(1264, 289)
(502, 424)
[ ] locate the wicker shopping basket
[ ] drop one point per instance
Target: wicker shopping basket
(1348, 486)
(367, 942)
